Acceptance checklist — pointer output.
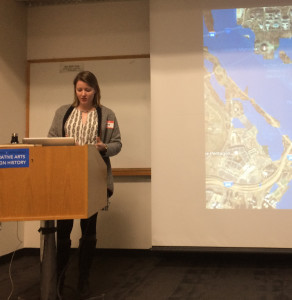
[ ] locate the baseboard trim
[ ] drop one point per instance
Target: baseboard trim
(195, 249)
(19, 254)
(159, 250)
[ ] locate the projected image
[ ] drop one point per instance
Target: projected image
(248, 108)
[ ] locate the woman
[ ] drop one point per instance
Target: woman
(88, 122)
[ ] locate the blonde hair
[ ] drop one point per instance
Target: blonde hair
(91, 80)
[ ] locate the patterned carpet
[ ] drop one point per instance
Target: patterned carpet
(157, 275)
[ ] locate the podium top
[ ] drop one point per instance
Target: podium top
(12, 146)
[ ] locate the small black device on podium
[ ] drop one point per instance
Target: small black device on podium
(14, 138)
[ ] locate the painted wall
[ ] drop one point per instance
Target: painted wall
(177, 114)
(89, 29)
(109, 28)
(179, 214)
(13, 91)
(118, 28)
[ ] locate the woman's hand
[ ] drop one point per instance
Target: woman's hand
(100, 146)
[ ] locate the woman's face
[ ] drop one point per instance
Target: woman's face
(85, 93)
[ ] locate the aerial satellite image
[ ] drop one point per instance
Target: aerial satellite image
(248, 107)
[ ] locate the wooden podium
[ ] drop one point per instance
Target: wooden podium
(60, 182)
(50, 183)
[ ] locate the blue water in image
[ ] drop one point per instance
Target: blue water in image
(274, 187)
(267, 135)
(286, 200)
(220, 90)
(237, 123)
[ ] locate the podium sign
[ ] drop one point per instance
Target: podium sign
(51, 182)
(14, 158)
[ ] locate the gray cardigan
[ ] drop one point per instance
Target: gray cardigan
(110, 135)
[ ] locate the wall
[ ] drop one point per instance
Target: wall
(115, 28)
(109, 28)
(177, 115)
(179, 214)
(13, 91)
(89, 29)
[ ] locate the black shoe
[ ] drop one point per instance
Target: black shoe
(83, 289)
(86, 256)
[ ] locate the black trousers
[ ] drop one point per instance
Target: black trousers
(88, 227)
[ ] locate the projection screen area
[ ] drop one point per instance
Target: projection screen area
(228, 183)
(248, 104)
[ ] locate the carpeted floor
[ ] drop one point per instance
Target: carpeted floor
(153, 275)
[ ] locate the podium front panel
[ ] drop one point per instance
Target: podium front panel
(52, 185)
